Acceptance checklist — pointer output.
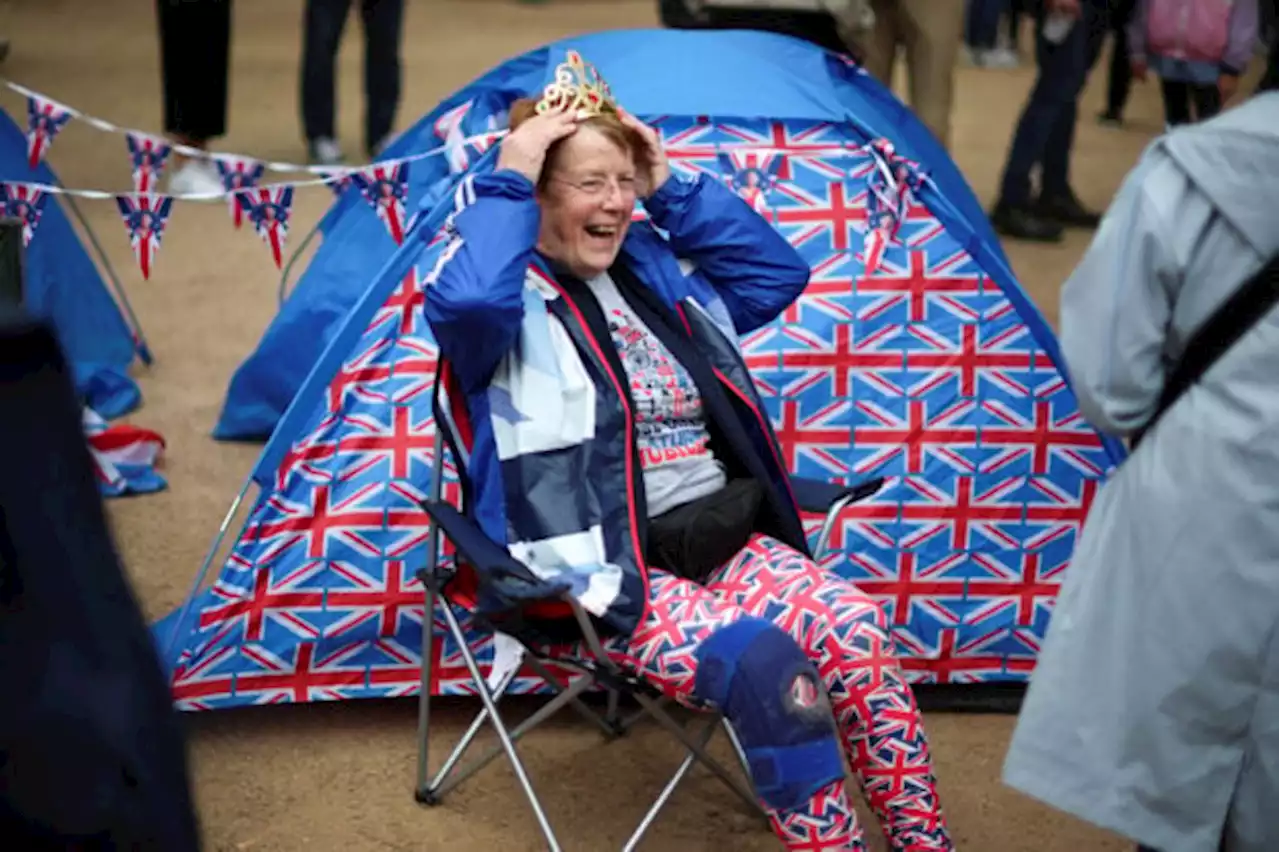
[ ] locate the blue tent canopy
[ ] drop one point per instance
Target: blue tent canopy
(929, 368)
(727, 74)
(64, 286)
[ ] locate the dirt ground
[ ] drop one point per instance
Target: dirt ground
(340, 777)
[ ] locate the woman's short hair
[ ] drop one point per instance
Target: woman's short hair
(607, 124)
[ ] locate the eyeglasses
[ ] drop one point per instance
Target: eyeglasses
(597, 186)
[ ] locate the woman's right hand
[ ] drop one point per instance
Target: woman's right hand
(525, 148)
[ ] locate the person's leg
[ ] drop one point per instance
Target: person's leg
(1119, 74)
(699, 650)
(847, 636)
(1057, 200)
(195, 53)
(880, 43)
(195, 49)
(982, 24)
(1206, 100)
(381, 20)
(1177, 102)
(931, 32)
(1014, 214)
(323, 23)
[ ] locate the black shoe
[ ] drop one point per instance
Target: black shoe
(1024, 223)
(1067, 210)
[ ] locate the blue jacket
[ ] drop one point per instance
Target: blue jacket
(720, 271)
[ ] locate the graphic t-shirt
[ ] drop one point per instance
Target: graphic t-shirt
(671, 432)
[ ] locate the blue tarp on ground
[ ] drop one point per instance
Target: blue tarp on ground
(930, 369)
(64, 286)
(655, 73)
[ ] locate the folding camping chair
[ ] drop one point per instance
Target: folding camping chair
(597, 670)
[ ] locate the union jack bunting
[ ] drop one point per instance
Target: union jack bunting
(268, 209)
(337, 181)
(888, 187)
(24, 203)
(386, 188)
(45, 118)
(145, 216)
(147, 158)
(924, 371)
(238, 173)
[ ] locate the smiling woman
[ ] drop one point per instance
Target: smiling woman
(587, 188)
(594, 361)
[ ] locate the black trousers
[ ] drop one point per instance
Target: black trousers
(322, 33)
(1119, 75)
(1271, 17)
(195, 54)
(1180, 99)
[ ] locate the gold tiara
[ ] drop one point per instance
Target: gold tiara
(579, 87)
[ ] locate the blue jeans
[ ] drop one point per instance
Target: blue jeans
(1047, 128)
(982, 23)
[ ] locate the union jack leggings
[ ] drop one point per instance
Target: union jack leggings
(845, 634)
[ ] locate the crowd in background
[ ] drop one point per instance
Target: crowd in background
(1197, 49)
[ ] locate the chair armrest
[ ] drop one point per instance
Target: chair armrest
(505, 582)
(819, 496)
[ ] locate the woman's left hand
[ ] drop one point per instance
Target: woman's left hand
(655, 158)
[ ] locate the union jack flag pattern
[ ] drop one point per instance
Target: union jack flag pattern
(923, 371)
(386, 188)
(147, 158)
(24, 203)
(268, 208)
(145, 216)
(124, 456)
(45, 119)
(238, 173)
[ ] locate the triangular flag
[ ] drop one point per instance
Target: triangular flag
(44, 119)
(24, 203)
(147, 158)
(268, 209)
(238, 173)
(146, 217)
(386, 188)
(337, 181)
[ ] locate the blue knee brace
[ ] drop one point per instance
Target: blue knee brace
(770, 692)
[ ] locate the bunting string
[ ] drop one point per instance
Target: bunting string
(384, 184)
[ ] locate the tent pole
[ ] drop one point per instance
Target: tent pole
(284, 276)
(144, 351)
(169, 662)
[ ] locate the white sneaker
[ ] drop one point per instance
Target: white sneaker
(1001, 57)
(324, 151)
(196, 177)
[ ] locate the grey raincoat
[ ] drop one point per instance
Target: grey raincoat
(1152, 711)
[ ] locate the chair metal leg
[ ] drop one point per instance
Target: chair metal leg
(707, 760)
(421, 791)
(544, 712)
(685, 765)
(507, 745)
(434, 788)
(603, 723)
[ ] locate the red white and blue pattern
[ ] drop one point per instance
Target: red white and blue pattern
(238, 173)
(145, 217)
(386, 189)
(923, 372)
(45, 119)
(24, 203)
(268, 208)
(147, 158)
(124, 456)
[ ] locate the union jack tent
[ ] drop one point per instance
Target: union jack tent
(927, 365)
